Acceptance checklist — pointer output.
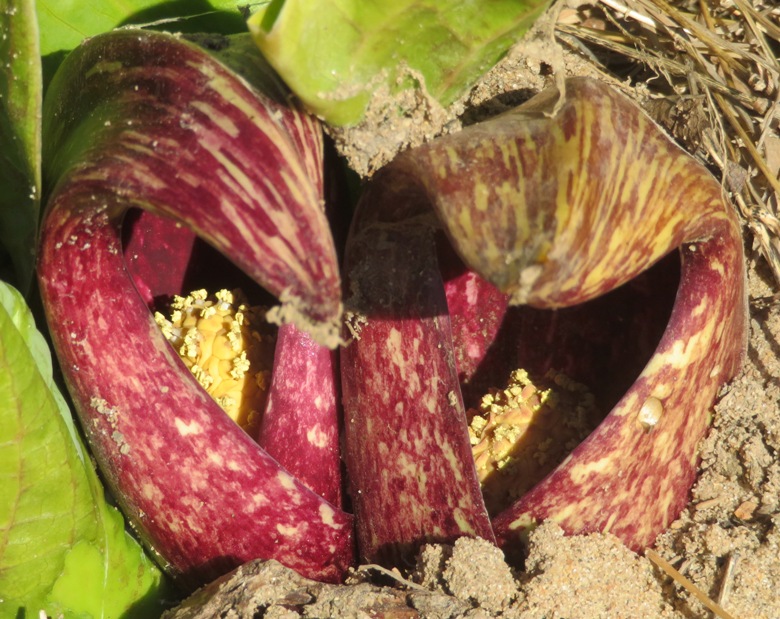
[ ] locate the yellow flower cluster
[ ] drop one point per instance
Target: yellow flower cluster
(219, 339)
(520, 433)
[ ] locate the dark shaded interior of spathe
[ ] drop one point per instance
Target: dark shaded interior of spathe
(165, 258)
(603, 343)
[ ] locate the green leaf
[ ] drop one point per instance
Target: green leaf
(334, 53)
(20, 139)
(63, 549)
(65, 23)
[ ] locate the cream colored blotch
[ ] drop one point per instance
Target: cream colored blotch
(650, 413)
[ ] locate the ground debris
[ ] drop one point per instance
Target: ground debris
(268, 589)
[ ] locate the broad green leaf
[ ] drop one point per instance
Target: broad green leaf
(65, 23)
(334, 53)
(63, 549)
(20, 139)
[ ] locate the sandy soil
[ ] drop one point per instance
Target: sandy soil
(726, 541)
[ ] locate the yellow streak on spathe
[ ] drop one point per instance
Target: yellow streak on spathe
(287, 531)
(327, 515)
(678, 356)
(395, 348)
(411, 468)
(463, 522)
(246, 185)
(317, 437)
(717, 265)
(188, 428)
(481, 197)
(226, 89)
(221, 120)
(701, 308)
(285, 480)
(570, 513)
(281, 140)
(609, 523)
(105, 66)
(464, 220)
(508, 194)
(572, 152)
(581, 471)
(439, 164)
(648, 180)
(453, 157)
(452, 460)
(509, 154)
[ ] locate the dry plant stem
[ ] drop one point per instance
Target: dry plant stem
(394, 574)
(687, 584)
(146, 120)
(554, 211)
(662, 64)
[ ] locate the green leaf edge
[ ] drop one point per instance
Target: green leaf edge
(66, 23)
(132, 586)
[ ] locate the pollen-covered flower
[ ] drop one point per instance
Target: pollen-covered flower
(520, 433)
(228, 347)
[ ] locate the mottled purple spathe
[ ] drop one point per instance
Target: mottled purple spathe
(140, 119)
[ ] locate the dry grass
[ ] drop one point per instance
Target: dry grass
(711, 76)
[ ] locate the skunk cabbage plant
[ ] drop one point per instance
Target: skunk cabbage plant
(141, 122)
(494, 249)
(501, 247)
